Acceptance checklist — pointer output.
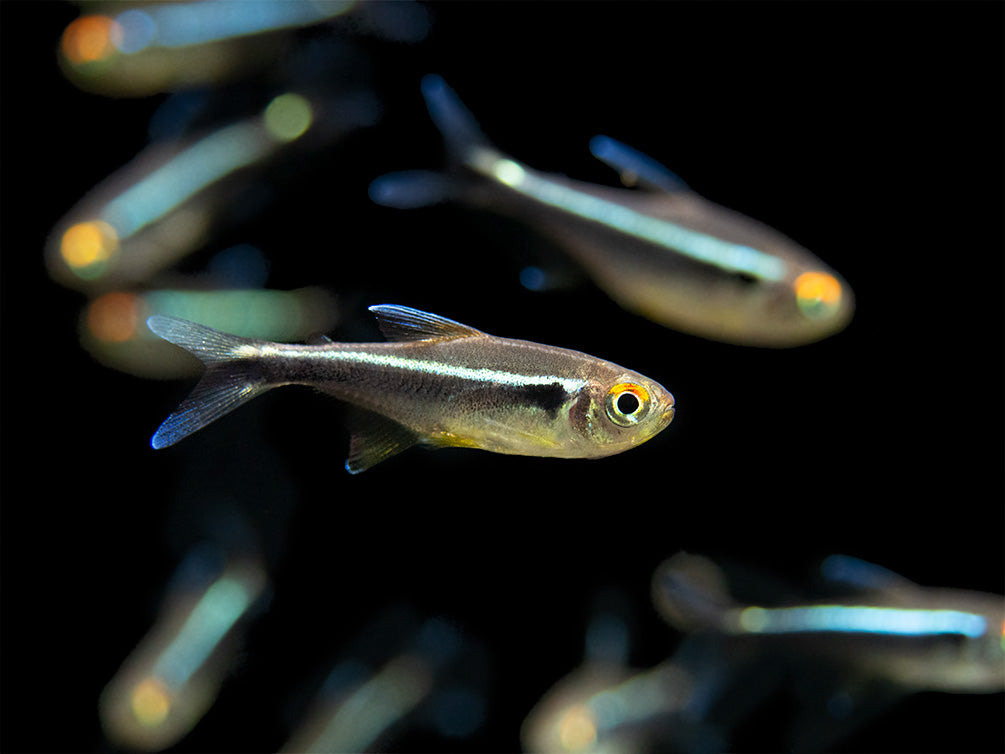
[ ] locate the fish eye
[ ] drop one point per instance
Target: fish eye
(818, 294)
(627, 403)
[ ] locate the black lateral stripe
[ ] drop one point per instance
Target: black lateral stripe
(548, 398)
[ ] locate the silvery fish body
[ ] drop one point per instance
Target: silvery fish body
(663, 252)
(436, 382)
(889, 628)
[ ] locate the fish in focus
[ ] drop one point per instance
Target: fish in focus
(436, 382)
(663, 252)
(890, 628)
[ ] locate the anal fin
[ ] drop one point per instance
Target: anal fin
(375, 438)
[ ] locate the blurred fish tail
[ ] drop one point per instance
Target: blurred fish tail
(460, 130)
(691, 593)
(231, 378)
(467, 147)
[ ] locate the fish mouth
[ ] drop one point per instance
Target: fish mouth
(654, 428)
(669, 410)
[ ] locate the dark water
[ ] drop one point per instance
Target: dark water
(870, 133)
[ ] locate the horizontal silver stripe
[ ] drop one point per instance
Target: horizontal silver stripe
(861, 619)
(424, 366)
(698, 246)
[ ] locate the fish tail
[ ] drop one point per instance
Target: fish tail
(231, 377)
(690, 592)
(459, 127)
(465, 144)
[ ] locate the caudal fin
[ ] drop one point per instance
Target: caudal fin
(459, 127)
(231, 377)
(691, 593)
(466, 145)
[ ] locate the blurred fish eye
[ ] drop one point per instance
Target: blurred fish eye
(91, 38)
(627, 403)
(87, 247)
(151, 702)
(818, 294)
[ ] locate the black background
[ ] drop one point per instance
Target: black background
(869, 132)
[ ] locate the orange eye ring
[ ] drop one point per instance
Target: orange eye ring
(627, 403)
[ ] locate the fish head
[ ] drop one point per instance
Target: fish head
(972, 661)
(618, 411)
(807, 304)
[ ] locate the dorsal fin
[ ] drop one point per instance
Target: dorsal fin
(856, 573)
(402, 323)
(635, 167)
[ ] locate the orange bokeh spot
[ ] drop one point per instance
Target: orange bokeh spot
(818, 286)
(151, 702)
(577, 729)
(90, 38)
(88, 243)
(114, 317)
(817, 293)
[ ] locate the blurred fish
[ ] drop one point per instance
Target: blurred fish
(141, 49)
(918, 638)
(172, 678)
(687, 703)
(438, 382)
(665, 253)
(848, 658)
(365, 698)
(163, 204)
(113, 331)
(601, 707)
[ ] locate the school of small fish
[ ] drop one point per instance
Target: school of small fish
(653, 245)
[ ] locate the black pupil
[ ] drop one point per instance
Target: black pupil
(627, 404)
